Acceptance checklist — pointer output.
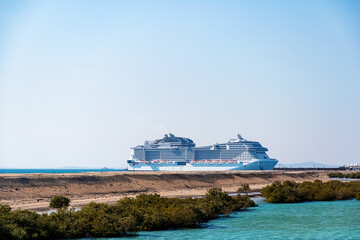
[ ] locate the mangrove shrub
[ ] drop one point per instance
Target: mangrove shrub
(59, 202)
(129, 215)
(291, 192)
(244, 187)
(344, 175)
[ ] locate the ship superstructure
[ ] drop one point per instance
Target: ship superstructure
(179, 153)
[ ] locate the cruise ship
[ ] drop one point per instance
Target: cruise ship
(173, 153)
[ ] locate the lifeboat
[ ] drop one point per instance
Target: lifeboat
(223, 161)
(164, 161)
(208, 161)
(146, 162)
(201, 161)
(216, 161)
(232, 161)
(156, 161)
(193, 161)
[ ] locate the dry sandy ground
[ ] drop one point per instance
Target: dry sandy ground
(33, 191)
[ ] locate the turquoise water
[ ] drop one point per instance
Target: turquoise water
(310, 220)
(57, 170)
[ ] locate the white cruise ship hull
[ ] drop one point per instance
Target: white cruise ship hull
(255, 164)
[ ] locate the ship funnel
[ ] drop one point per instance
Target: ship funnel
(241, 138)
(171, 135)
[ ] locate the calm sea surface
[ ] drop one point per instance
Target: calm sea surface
(57, 170)
(311, 220)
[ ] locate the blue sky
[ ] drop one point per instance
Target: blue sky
(83, 81)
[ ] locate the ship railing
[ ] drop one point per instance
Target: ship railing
(156, 161)
(217, 161)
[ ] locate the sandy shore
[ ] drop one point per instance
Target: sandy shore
(33, 191)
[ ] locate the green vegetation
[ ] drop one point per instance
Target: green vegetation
(291, 192)
(59, 202)
(244, 188)
(346, 175)
(129, 215)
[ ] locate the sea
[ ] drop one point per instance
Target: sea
(58, 170)
(309, 220)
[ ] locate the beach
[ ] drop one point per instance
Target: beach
(33, 191)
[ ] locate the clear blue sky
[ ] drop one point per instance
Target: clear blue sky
(83, 81)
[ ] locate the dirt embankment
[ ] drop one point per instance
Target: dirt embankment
(33, 191)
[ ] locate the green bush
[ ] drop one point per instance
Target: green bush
(291, 192)
(129, 215)
(59, 202)
(244, 188)
(342, 175)
(358, 196)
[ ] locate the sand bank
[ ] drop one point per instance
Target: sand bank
(33, 191)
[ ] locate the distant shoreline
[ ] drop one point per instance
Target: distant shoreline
(57, 170)
(90, 170)
(33, 190)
